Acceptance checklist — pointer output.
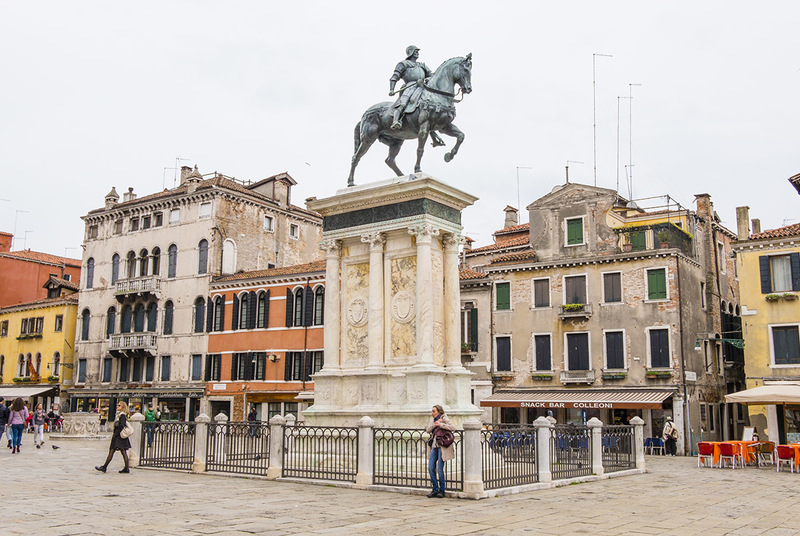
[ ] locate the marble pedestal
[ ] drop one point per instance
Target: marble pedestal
(392, 310)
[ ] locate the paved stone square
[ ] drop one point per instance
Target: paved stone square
(58, 492)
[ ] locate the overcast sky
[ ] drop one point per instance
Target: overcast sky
(101, 94)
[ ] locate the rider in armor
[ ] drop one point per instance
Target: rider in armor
(409, 71)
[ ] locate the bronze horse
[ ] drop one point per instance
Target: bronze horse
(434, 111)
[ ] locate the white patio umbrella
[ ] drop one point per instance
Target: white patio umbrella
(767, 394)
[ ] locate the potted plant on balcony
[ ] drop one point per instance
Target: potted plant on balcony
(572, 307)
(772, 297)
(789, 296)
(627, 247)
(663, 239)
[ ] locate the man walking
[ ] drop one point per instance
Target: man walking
(670, 435)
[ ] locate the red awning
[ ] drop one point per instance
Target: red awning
(579, 398)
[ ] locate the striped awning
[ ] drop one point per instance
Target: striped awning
(579, 398)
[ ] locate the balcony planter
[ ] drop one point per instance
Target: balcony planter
(789, 296)
(627, 248)
(502, 377)
(29, 336)
(658, 373)
(543, 377)
(772, 297)
(52, 378)
(23, 379)
(615, 375)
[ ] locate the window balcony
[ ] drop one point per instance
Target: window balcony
(142, 343)
(138, 286)
(575, 310)
(577, 376)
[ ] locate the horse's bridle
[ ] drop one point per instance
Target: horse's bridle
(445, 93)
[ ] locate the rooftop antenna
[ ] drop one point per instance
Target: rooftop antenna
(14, 234)
(567, 168)
(519, 205)
(630, 136)
(628, 176)
(175, 176)
(25, 238)
(594, 110)
(618, 98)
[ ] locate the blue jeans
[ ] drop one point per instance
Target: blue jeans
(436, 465)
(16, 434)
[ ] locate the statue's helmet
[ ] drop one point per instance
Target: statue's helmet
(410, 51)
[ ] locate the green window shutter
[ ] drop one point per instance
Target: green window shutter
(639, 240)
(503, 296)
(656, 284)
(473, 329)
(766, 279)
(574, 231)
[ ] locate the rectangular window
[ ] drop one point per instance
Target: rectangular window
(165, 366)
(59, 326)
(269, 223)
(118, 227)
(615, 350)
(174, 216)
(781, 270)
(541, 293)
(503, 354)
(81, 371)
(205, 210)
(134, 226)
(659, 348)
(294, 366)
(721, 256)
(702, 295)
(543, 349)
(259, 365)
(92, 232)
(502, 296)
(158, 219)
(657, 284)
(575, 289)
(145, 222)
(469, 329)
(137, 370)
(785, 345)
(197, 367)
(638, 240)
(612, 287)
(213, 371)
(578, 351)
(107, 364)
(575, 232)
(294, 231)
(4, 328)
(149, 369)
(124, 371)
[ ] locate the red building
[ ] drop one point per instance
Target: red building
(265, 340)
(23, 274)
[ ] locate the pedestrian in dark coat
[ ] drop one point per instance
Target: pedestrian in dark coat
(118, 443)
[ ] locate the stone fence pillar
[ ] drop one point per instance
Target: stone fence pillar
(596, 438)
(638, 441)
(366, 451)
(200, 443)
(543, 432)
(275, 469)
(473, 461)
(136, 439)
(221, 418)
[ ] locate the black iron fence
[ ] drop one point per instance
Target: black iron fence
(238, 447)
(401, 459)
(618, 448)
(320, 452)
(570, 451)
(167, 444)
(508, 456)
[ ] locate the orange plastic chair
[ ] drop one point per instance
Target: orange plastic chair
(705, 453)
(785, 454)
(766, 453)
(728, 451)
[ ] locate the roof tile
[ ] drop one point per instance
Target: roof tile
(782, 232)
(316, 266)
(37, 256)
(469, 273)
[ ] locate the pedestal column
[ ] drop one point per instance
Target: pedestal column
(424, 234)
(333, 308)
(452, 304)
(376, 317)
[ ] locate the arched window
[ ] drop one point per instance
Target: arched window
(125, 323)
(244, 311)
(28, 364)
(219, 313)
(298, 307)
(168, 313)
(90, 273)
(85, 316)
(21, 366)
(202, 257)
(228, 256)
(56, 370)
(2, 365)
(319, 305)
(155, 261)
(131, 268)
(152, 313)
(143, 258)
(111, 321)
(38, 364)
(114, 268)
(262, 321)
(138, 318)
(199, 314)
(172, 254)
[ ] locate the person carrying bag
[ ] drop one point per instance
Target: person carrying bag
(119, 441)
(440, 448)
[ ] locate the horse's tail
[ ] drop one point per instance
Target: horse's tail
(357, 136)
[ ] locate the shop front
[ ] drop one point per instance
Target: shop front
(174, 404)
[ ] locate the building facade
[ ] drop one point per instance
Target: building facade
(144, 311)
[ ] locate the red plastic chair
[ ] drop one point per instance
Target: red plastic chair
(705, 453)
(784, 454)
(728, 451)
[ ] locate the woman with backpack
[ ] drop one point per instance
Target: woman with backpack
(440, 448)
(118, 442)
(16, 419)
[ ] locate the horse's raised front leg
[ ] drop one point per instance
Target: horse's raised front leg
(452, 130)
(363, 147)
(422, 137)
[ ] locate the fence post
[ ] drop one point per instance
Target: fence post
(136, 439)
(596, 438)
(222, 434)
(543, 431)
(200, 443)
(366, 451)
(275, 469)
(638, 441)
(473, 459)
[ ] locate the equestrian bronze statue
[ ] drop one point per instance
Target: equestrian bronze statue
(426, 106)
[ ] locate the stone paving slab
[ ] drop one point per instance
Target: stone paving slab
(58, 493)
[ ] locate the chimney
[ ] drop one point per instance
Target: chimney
(192, 179)
(756, 226)
(185, 172)
(705, 208)
(5, 242)
(129, 195)
(512, 217)
(742, 221)
(111, 198)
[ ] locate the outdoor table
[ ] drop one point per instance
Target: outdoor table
(746, 447)
(796, 448)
